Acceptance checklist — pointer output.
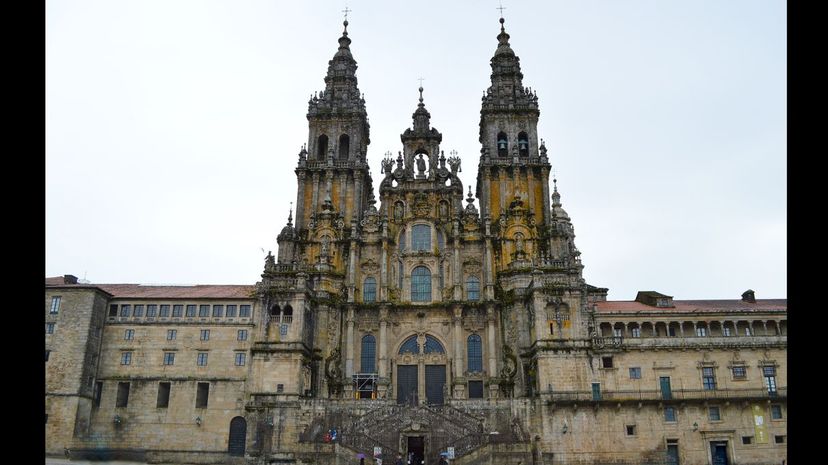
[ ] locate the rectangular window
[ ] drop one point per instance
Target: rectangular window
(747, 439)
(635, 372)
(244, 311)
(551, 328)
(203, 310)
(776, 412)
(163, 400)
(636, 332)
(280, 388)
(152, 309)
(191, 311)
(708, 378)
(96, 396)
(50, 328)
(123, 395)
(139, 310)
(241, 359)
(53, 310)
(129, 334)
(202, 395)
(714, 414)
(475, 389)
(421, 237)
(242, 335)
(172, 334)
(770, 379)
(169, 358)
(779, 439)
(218, 311)
(672, 452)
(231, 311)
(47, 354)
(606, 362)
(201, 360)
(739, 372)
(369, 290)
(630, 430)
(671, 332)
(126, 310)
(726, 331)
(670, 414)
(701, 332)
(617, 332)
(113, 310)
(164, 311)
(205, 335)
(473, 288)
(596, 391)
(178, 311)
(126, 358)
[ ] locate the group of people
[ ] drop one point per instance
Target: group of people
(400, 461)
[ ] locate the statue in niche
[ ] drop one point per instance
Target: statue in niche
(519, 242)
(324, 248)
(443, 210)
(421, 166)
(399, 211)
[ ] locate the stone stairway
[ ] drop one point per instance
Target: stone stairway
(380, 427)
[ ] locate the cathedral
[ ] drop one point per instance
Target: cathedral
(415, 324)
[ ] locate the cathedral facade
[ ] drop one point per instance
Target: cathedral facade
(415, 324)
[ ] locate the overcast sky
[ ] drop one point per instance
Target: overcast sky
(173, 128)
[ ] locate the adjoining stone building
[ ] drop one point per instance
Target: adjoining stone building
(418, 326)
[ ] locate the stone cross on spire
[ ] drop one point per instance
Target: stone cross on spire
(501, 8)
(346, 11)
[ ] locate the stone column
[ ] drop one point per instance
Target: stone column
(458, 342)
(490, 322)
(485, 202)
(343, 192)
(457, 270)
(315, 195)
(349, 344)
(300, 200)
(352, 256)
(357, 213)
(547, 213)
(383, 284)
(382, 387)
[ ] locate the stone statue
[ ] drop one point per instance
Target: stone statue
(443, 210)
(519, 242)
(324, 248)
(421, 166)
(399, 211)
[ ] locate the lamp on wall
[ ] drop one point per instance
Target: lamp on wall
(269, 421)
(198, 421)
(565, 428)
(695, 426)
(117, 419)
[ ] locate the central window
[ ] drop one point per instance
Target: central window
(421, 284)
(421, 237)
(368, 356)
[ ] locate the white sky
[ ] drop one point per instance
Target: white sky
(173, 128)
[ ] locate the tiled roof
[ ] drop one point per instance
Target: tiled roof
(139, 291)
(694, 306)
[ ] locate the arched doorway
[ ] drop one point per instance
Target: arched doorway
(238, 434)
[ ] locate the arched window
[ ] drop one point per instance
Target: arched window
(369, 290)
(368, 363)
(322, 147)
(344, 146)
(523, 144)
(421, 284)
(410, 346)
(288, 311)
(502, 145)
(421, 237)
(433, 346)
(475, 354)
(473, 288)
(238, 435)
(274, 310)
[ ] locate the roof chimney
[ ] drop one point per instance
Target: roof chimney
(749, 296)
(69, 279)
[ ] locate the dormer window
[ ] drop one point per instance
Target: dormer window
(523, 144)
(502, 145)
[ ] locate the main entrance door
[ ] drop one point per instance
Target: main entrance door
(718, 450)
(407, 384)
(416, 450)
(435, 382)
(238, 432)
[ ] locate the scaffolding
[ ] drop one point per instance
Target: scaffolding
(365, 385)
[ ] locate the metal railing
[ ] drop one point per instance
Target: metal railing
(676, 394)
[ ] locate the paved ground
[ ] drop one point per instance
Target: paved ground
(59, 461)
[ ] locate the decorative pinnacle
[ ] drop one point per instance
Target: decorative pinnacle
(290, 215)
(421, 95)
(470, 199)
